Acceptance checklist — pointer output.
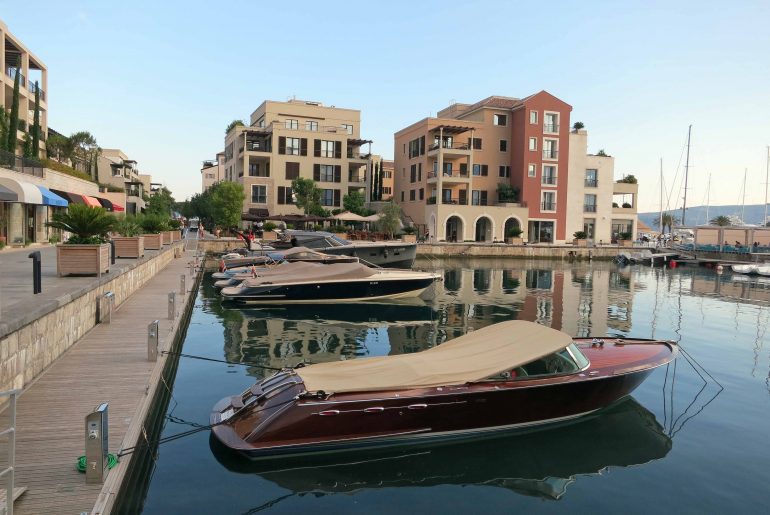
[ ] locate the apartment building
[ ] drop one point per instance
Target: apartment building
(597, 204)
(212, 171)
(380, 178)
(34, 75)
(297, 138)
(476, 171)
(116, 169)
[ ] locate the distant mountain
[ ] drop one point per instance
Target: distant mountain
(696, 215)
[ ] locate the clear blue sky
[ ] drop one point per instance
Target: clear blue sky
(161, 80)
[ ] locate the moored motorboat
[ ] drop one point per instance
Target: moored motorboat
(509, 376)
(745, 269)
(262, 258)
(340, 282)
(764, 270)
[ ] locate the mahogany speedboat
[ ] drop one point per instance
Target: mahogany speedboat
(509, 376)
(234, 261)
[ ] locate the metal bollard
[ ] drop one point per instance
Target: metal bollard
(112, 252)
(96, 445)
(172, 305)
(37, 286)
(152, 341)
(182, 288)
(109, 298)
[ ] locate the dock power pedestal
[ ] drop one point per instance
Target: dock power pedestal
(96, 445)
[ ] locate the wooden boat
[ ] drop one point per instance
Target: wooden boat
(509, 376)
(304, 283)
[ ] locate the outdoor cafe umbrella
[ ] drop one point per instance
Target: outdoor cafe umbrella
(347, 216)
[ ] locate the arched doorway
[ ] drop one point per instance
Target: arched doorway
(454, 229)
(510, 225)
(483, 229)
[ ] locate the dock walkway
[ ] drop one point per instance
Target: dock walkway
(109, 364)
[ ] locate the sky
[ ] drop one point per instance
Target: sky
(161, 80)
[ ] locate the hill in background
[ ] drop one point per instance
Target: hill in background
(696, 215)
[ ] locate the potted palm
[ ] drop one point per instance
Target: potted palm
(86, 251)
(514, 236)
(409, 235)
(130, 243)
(624, 239)
(152, 230)
(340, 231)
(580, 239)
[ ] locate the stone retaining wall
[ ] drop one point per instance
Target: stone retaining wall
(519, 251)
(35, 342)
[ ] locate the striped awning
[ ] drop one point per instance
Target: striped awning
(26, 192)
(52, 199)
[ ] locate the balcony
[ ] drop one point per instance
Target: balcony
(33, 88)
(551, 128)
(454, 201)
(623, 209)
(449, 149)
(589, 208)
(11, 72)
(549, 180)
(548, 206)
(550, 154)
(257, 146)
(625, 188)
(591, 183)
(360, 157)
(460, 176)
(356, 177)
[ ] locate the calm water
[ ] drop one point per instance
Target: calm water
(678, 445)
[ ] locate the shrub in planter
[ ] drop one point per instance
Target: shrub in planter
(580, 238)
(86, 251)
(153, 227)
(268, 231)
(626, 205)
(269, 226)
(130, 243)
(338, 229)
(409, 230)
(514, 236)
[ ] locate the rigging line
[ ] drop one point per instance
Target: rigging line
(678, 167)
(692, 403)
(665, 410)
(268, 504)
(203, 358)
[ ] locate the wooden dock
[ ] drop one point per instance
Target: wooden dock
(109, 364)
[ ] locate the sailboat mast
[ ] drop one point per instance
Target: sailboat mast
(708, 199)
(767, 180)
(660, 216)
(743, 200)
(686, 173)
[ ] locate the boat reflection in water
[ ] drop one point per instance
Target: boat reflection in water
(541, 463)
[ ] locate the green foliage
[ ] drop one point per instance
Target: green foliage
(2, 245)
(3, 129)
(13, 123)
(127, 226)
(36, 124)
(152, 223)
(627, 205)
(615, 204)
(226, 203)
(27, 147)
(390, 219)
(577, 126)
(721, 221)
(354, 202)
(602, 153)
(579, 235)
(55, 165)
(338, 229)
(669, 221)
(318, 227)
(507, 193)
(269, 226)
(81, 149)
(234, 124)
(409, 230)
(56, 147)
(308, 195)
(111, 187)
(160, 203)
(175, 224)
(54, 239)
(87, 224)
(515, 232)
(625, 236)
(628, 179)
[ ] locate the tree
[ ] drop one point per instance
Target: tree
(354, 202)
(13, 123)
(577, 126)
(36, 124)
(602, 153)
(56, 146)
(226, 203)
(234, 124)
(628, 179)
(3, 129)
(87, 224)
(80, 150)
(375, 179)
(160, 203)
(390, 220)
(669, 221)
(721, 221)
(27, 147)
(307, 194)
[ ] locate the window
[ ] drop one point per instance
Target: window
(327, 148)
(348, 128)
(256, 171)
(474, 143)
(589, 203)
(291, 124)
(413, 173)
(258, 194)
(422, 193)
(417, 147)
(411, 194)
(533, 143)
(261, 122)
(531, 170)
(292, 146)
(419, 172)
(448, 169)
(551, 122)
(549, 201)
(285, 195)
(549, 175)
(402, 196)
(292, 171)
(533, 117)
(479, 197)
(311, 125)
(505, 171)
(500, 119)
(327, 197)
(550, 149)
(480, 170)
(386, 190)
(503, 145)
(592, 178)
(326, 173)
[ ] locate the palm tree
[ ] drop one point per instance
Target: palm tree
(721, 221)
(88, 225)
(669, 221)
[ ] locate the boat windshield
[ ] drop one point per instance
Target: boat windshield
(567, 361)
(336, 241)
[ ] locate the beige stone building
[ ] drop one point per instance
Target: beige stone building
(116, 169)
(212, 172)
(596, 203)
(13, 52)
(297, 138)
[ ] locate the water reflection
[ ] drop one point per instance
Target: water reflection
(542, 463)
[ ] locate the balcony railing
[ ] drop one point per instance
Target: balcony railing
(358, 155)
(11, 72)
(589, 208)
(551, 127)
(452, 145)
(257, 146)
(548, 206)
(549, 179)
(21, 164)
(33, 87)
(448, 173)
(356, 178)
(454, 201)
(507, 199)
(550, 154)
(431, 201)
(591, 183)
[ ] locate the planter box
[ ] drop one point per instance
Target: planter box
(511, 240)
(129, 247)
(409, 238)
(167, 237)
(626, 243)
(269, 236)
(153, 241)
(341, 235)
(580, 243)
(82, 259)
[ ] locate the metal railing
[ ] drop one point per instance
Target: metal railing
(11, 72)
(33, 87)
(448, 173)
(507, 199)
(358, 155)
(551, 127)
(589, 208)
(451, 145)
(550, 154)
(454, 201)
(549, 179)
(257, 146)
(21, 164)
(356, 178)
(591, 183)
(548, 206)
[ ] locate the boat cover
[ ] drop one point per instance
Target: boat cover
(302, 272)
(476, 356)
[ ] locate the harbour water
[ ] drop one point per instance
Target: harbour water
(690, 440)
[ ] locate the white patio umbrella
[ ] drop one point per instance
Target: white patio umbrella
(347, 216)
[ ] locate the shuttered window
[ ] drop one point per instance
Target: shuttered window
(292, 171)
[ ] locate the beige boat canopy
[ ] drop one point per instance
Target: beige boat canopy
(476, 356)
(300, 272)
